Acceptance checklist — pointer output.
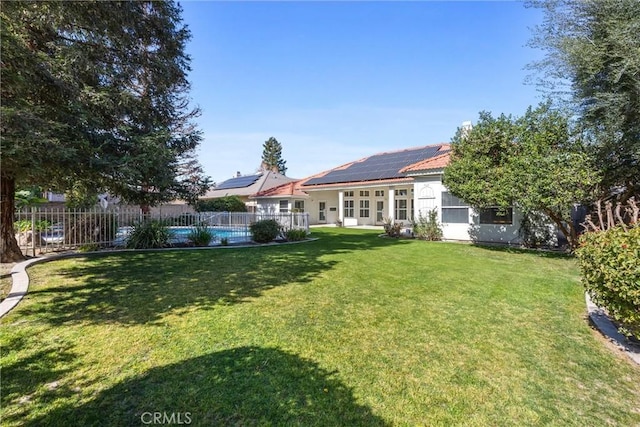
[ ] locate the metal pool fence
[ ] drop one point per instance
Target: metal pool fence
(42, 230)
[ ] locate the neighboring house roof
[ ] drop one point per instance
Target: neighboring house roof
(290, 189)
(382, 168)
(248, 185)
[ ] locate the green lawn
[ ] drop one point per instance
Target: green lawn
(351, 329)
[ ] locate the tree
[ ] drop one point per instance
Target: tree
(533, 162)
(272, 156)
(221, 204)
(94, 94)
(592, 63)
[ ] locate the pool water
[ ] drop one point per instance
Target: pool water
(237, 234)
(180, 235)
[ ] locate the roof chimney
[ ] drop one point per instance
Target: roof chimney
(238, 174)
(466, 128)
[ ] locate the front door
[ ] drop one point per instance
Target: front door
(322, 212)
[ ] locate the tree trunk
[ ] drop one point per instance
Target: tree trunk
(9, 249)
(570, 233)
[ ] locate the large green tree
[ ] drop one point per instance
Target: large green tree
(533, 162)
(272, 156)
(94, 95)
(592, 63)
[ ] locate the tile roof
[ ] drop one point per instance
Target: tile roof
(379, 168)
(433, 157)
(436, 162)
(289, 189)
(248, 185)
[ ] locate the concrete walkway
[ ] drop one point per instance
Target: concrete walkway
(602, 322)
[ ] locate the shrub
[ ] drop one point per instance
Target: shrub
(200, 235)
(149, 234)
(391, 228)
(295, 234)
(611, 273)
(222, 204)
(265, 231)
(428, 228)
(89, 247)
(23, 225)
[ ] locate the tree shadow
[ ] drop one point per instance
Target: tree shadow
(501, 239)
(35, 380)
(141, 287)
(245, 386)
(542, 253)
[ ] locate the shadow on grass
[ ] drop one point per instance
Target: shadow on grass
(542, 253)
(137, 288)
(244, 386)
(35, 379)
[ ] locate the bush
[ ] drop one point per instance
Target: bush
(200, 235)
(391, 228)
(24, 225)
(265, 231)
(222, 204)
(149, 234)
(428, 228)
(611, 273)
(295, 234)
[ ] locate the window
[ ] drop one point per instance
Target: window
(402, 192)
(364, 193)
(284, 206)
(379, 193)
(364, 208)
(349, 209)
(298, 205)
(454, 210)
(401, 209)
(322, 211)
(496, 216)
(379, 211)
(348, 194)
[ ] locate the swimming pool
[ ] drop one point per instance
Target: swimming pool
(181, 235)
(235, 234)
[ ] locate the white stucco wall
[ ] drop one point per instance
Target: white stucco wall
(267, 206)
(428, 195)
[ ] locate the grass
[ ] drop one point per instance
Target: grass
(351, 329)
(5, 286)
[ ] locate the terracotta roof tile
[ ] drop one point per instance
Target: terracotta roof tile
(436, 162)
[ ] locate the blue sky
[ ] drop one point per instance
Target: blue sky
(337, 81)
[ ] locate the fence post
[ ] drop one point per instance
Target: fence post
(33, 231)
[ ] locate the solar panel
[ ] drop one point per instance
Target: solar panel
(239, 182)
(379, 166)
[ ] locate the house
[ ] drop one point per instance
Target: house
(400, 186)
(245, 186)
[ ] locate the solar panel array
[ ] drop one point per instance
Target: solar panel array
(239, 182)
(380, 166)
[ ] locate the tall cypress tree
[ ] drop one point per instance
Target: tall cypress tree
(272, 156)
(93, 93)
